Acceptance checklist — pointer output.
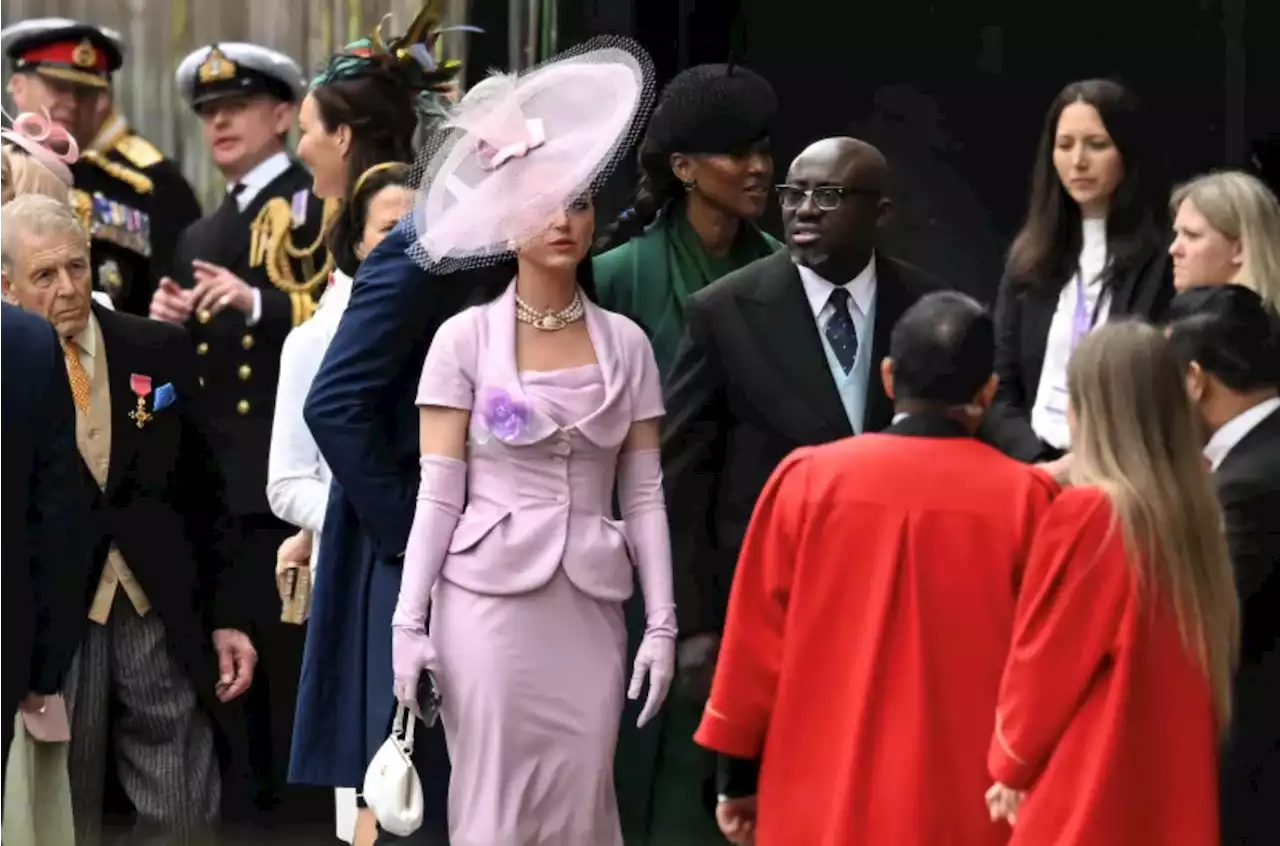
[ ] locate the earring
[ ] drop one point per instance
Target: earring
(690, 185)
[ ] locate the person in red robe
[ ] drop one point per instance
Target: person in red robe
(871, 614)
(1118, 684)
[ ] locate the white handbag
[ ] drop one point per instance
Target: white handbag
(392, 789)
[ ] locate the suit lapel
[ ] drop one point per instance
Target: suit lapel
(892, 300)
(120, 367)
(236, 231)
(778, 314)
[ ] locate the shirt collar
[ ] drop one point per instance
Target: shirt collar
(262, 175)
(861, 288)
(1234, 430)
(86, 339)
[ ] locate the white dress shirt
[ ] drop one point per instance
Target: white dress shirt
(1234, 430)
(297, 476)
(1049, 413)
(852, 386)
(259, 177)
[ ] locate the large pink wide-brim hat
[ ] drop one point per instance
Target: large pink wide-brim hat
(37, 135)
(523, 148)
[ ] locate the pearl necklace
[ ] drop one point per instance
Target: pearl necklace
(550, 321)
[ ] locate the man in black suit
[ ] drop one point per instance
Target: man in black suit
(132, 199)
(780, 354)
(244, 276)
(159, 604)
(45, 517)
(1231, 344)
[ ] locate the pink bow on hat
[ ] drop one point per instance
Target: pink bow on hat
(41, 138)
(492, 157)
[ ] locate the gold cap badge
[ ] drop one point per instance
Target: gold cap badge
(85, 55)
(217, 67)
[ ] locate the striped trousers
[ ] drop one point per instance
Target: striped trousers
(132, 708)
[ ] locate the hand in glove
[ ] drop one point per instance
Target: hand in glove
(656, 658)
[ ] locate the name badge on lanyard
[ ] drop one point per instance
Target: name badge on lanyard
(1083, 319)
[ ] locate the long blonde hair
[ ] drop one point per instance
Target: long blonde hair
(1137, 438)
(1243, 209)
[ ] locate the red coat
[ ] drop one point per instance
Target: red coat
(869, 620)
(1104, 716)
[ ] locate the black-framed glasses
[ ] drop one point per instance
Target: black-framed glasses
(825, 197)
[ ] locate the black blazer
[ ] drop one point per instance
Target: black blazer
(45, 517)
(1023, 315)
(749, 384)
(239, 365)
(162, 505)
(1248, 481)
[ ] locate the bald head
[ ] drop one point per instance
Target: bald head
(833, 205)
(845, 155)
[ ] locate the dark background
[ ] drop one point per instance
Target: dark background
(954, 91)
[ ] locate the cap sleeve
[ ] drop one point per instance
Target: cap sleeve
(448, 376)
(645, 383)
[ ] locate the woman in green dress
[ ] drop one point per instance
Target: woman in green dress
(705, 176)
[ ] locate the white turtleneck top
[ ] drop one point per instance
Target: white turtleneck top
(297, 476)
(1049, 414)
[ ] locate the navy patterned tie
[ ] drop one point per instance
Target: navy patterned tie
(840, 331)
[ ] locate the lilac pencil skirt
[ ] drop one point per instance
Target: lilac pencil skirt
(532, 690)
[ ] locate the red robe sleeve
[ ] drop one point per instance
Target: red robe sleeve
(746, 680)
(1073, 595)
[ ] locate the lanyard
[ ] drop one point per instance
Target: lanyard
(1084, 317)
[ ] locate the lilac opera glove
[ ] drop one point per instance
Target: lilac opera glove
(645, 513)
(441, 496)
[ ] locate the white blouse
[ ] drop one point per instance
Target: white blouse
(297, 476)
(1049, 414)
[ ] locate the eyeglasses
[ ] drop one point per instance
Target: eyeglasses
(825, 197)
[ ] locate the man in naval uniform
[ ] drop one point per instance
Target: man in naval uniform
(243, 277)
(133, 200)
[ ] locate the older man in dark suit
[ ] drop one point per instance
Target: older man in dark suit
(159, 587)
(44, 551)
(780, 354)
(1231, 343)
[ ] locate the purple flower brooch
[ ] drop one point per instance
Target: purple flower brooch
(504, 416)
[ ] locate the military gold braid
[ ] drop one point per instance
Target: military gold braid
(271, 246)
(139, 182)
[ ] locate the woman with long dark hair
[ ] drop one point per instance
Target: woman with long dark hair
(359, 123)
(705, 175)
(1092, 248)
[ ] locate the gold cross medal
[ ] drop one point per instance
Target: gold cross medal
(141, 386)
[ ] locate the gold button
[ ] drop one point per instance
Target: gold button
(242, 407)
(203, 315)
(202, 348)
(247, 342)
(245, 372)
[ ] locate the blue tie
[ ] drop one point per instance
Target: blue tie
(841, 333)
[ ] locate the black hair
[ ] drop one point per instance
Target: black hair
(354, 214)
(712, 109)
(1045, 250)
(943, 350)
(1230, 332)
(379, 103)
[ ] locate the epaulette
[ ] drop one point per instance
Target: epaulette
(139, 182)
(82, 204)
(140, 152)
(271, 246)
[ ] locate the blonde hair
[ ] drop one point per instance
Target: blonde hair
(1138, 439)
(23, 174)
(1243, 209)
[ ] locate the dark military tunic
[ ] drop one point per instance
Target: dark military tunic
(239, 366)
(135, 203)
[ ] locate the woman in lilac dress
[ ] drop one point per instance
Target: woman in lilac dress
(532, 404)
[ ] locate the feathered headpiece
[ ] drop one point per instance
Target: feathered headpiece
(412, 52)
(45, 141)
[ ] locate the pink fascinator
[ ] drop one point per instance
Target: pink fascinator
(519, 149)
(45, 141)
